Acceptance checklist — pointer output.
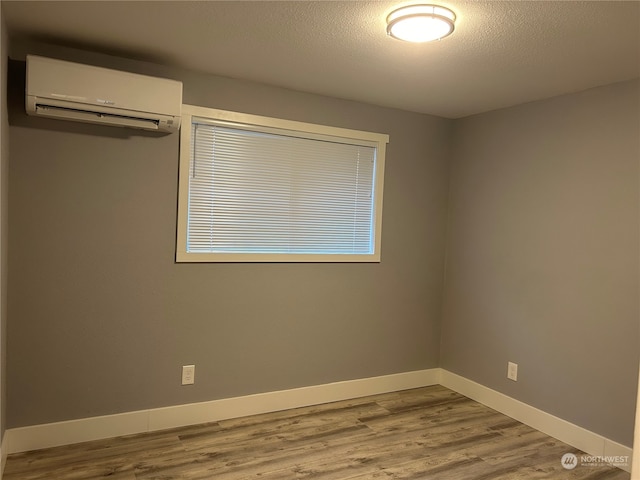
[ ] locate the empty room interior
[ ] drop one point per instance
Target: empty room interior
(319, 240)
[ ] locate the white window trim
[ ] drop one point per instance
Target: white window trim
(190, 111)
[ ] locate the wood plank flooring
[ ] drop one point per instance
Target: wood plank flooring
(421, 434)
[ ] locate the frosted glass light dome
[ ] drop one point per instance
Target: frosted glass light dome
(420, 23)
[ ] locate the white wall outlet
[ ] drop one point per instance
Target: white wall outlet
(512, 371)
(188, 374)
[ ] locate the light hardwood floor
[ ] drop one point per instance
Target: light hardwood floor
(422, 434)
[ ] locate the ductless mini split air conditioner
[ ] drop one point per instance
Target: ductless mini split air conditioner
(83, 93)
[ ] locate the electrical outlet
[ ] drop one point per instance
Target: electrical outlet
(512, 371)
(188, 374)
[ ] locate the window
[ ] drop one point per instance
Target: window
(258, 189)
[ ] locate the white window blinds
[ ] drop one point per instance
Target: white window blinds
(274, 192)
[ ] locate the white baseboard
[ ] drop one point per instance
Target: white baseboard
(574, 435)
(74, 431)
(94, 428)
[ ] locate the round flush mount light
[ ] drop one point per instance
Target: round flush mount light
(420, 23)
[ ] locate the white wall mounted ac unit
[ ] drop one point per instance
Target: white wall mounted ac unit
(83, 93)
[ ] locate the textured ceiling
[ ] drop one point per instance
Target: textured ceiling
(502, 53)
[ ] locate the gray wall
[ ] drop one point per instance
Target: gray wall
(4, 165)
(102, 319)
(542, 261)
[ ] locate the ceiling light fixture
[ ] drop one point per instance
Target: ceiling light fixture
(420, 23)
